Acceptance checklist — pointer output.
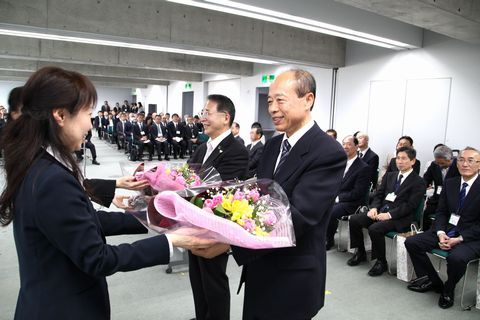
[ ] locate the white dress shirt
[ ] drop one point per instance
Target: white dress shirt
(213, 143)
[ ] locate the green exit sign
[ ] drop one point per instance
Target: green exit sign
(268, 78)
(188, 86)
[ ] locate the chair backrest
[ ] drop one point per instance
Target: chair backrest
(418, 214)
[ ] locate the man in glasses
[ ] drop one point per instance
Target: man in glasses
(211, 292)
(456, 230)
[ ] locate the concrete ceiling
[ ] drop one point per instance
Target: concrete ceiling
(160, 23)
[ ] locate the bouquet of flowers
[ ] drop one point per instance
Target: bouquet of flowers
(252, 214)
(173, 177)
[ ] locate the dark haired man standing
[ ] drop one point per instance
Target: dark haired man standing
(211, 292)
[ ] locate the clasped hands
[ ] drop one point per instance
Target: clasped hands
(374, 215)
(446, 243)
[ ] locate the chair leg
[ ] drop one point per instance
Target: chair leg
(468, 305)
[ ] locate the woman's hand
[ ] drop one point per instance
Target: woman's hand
(130, 183)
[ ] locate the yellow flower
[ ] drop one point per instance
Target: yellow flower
(260, 232)
(227, 203)
(168, 171)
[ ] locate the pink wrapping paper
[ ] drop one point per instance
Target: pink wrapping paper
(172, 206)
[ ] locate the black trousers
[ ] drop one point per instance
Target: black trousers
(339, 210)
(178, 148)
(142, 145)
(376, 230)
(211, 292)
(162, 146)
(457, 260)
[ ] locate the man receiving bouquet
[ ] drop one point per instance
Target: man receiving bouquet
(308, 165)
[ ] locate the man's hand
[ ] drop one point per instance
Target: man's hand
(448, 243)
(383, 216)
(130, 183)
(119, 202)
(213, 251)
(190, 242)
(372, 213)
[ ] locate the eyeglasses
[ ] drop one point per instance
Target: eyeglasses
(206, 113)
(469, 161)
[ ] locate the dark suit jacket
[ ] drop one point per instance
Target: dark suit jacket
(62, 253)
(434, 174)
(128, 130)
(191, 133)
(355, 184)
(98, 122)
(229, 158)
(154, 131)
(392, 166)
(137, 133)
(179, 132)
(310, 177)
(408, 197)
(469, 224)
(371, 158)
(239, 139)
(254, 156)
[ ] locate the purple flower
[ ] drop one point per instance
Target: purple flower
(217, 199)
(239, 195)
(269, 218)
(209, 204)
(249, 225)
(181, 180)
(254, 195)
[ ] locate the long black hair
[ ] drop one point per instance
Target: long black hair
(47, 89)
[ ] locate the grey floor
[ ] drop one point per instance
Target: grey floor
(153, 294)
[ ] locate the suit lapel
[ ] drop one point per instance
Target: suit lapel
(219, 150)
(472, 193)
(351, 170)
(294, 157)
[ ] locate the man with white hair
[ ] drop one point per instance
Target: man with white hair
(368, 156)
(443, 167)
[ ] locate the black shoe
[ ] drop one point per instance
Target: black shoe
(167, 159)
(175, 157)
(446, 300)
(359, 256)
(149, 158)
(95, 162)
(378, 269)
(423, 284)
(182, 157)
(159, 158)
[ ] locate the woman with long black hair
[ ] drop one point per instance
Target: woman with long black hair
(60, 238)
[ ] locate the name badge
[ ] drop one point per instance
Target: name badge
(454, 219)
(142, 133)
(178, 132)
(391, 197)
(439, 189)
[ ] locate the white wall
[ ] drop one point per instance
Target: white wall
(444, 70)
(242, 91)
(175, 92)
(153, 94)
(112, 95)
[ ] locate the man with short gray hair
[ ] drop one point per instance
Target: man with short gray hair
(368, 156)
(443, 167)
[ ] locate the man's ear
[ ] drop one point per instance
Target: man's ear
(59, 116)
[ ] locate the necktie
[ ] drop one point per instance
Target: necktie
(285, 151)
(461, 199)
(159, 130)
(461, 196)
(361, 155)
(398, 183)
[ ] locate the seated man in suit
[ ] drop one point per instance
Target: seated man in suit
(368, 156)
(98, 124)
(404, 141)
(354, 188)
(332, 133)
(176, 134)
(159, 137)
(191, 135)
(456, 230)
(255, 150)
(141, 137)
(89, 145)
(393, 207)
(443, 167)
(121, 130)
